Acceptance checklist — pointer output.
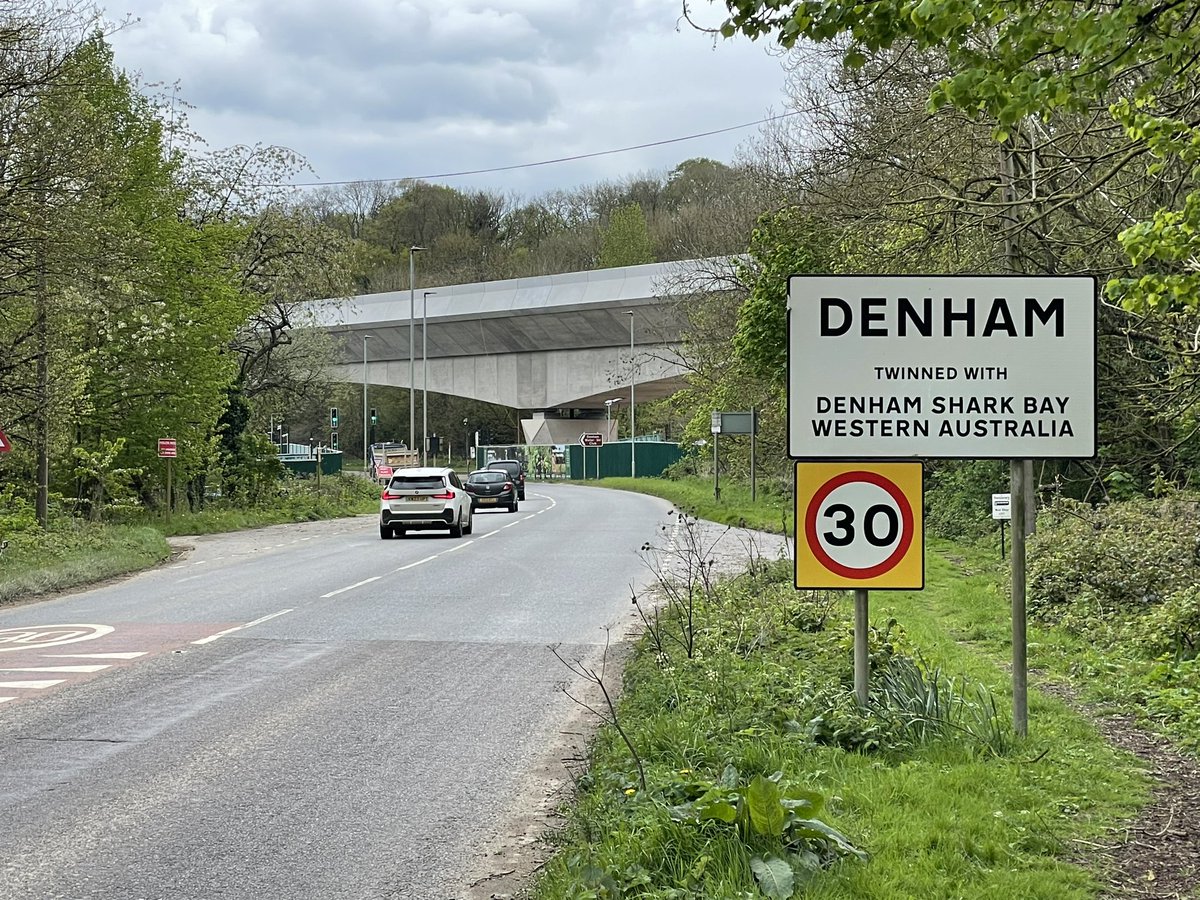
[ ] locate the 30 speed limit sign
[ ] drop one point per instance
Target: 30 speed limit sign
(859, 525)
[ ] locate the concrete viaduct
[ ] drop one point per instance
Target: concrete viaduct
(554, 347)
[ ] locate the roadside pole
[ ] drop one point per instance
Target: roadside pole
(862, 662)
(1019, 630)
(753, 432)
(716, 467)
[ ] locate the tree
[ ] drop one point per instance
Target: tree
(1019, 64)
(626, 240)
(784, 243)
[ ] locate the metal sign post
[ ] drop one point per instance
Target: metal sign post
(167, 448)
(591, 439)
(860, 525)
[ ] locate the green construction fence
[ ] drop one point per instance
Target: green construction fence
(613, 460)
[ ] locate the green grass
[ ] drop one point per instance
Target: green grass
(73, 553)
(769, 512)
(948, 817)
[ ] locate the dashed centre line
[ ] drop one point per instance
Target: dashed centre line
(221, 634)
(350, 587)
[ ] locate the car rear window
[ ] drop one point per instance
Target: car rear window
(417, 483)
(488, 477)
(507, 465)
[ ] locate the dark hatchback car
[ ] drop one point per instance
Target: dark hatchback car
(491, 488)
(516, 473)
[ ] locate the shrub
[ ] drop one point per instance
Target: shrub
(958, 497)
(1115, 560)
(1172, 628)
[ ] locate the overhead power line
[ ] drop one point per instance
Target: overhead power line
(550, 162)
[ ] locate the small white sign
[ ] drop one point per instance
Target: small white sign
(951, 367)
(1001, 506)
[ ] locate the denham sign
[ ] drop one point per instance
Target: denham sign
(960, 367)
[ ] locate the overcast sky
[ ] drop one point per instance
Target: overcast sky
(390, 89)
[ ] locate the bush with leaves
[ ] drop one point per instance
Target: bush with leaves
(1092, 566)
(16, 511)
(958, 497)
(1172, 628)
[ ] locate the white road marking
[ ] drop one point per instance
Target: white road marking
(221, 634)
(417, 563)
(32, 685)
(349, 588)
(133, 655)
(6, 699)
(59, 669)
(40, 636)
(457, 546)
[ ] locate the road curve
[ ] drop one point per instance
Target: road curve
(305, 711)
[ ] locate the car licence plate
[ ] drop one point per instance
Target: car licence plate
(487, 499)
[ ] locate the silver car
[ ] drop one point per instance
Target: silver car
(423, 499)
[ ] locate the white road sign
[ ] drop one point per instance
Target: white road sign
(1001, 506)
(960, 367)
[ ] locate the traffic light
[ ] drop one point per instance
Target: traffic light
(333, 417)
(374, 417)
(333, 441)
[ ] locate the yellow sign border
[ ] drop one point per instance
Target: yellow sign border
(908, 573)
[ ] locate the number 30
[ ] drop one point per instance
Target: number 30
(844, 515)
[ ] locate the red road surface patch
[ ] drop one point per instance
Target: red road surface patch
(35, 660)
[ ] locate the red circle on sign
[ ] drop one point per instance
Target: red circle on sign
(906, 527)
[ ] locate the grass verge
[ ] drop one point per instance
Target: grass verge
(73, 553)
(928, 780)
(770, 511)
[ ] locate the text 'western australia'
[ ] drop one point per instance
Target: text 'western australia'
(944, 416)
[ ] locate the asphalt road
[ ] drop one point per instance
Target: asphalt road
(304, 711)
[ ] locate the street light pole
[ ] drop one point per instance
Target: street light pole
(365, 336)
(424, 378)
(412, 348)
(608, 405)
(632, 407)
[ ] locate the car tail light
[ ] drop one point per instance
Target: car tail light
(447, 495)
(508, 485)
(388, 495)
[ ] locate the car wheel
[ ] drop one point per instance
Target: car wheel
(386, 532)
(512, 507)
(521, 496)
(456, 530)
(470, 526)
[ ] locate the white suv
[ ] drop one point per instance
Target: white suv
(424, 498)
